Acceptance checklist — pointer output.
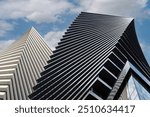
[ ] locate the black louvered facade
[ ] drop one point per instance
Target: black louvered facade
(94, 60)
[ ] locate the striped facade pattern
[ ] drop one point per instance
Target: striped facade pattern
(94, 60)
(21, 64)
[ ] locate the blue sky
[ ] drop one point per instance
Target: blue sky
(52, 17)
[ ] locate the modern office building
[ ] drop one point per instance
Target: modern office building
(21, 64)
(99, 57)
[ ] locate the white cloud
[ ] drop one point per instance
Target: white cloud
(4, 27)
(38, 11)
(48, 11)
(5, 43)
(129, 8)
(53, 37)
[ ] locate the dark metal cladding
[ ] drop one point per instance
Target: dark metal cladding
(93, 60)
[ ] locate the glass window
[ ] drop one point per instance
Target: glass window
(135, 91)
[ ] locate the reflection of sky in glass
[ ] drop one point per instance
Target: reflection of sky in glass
(136, 91)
